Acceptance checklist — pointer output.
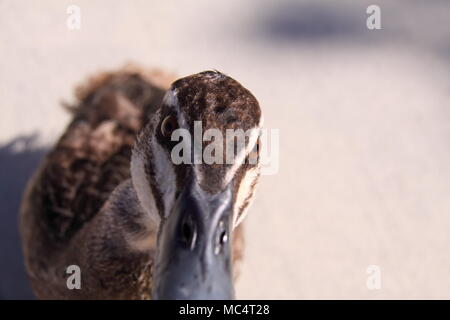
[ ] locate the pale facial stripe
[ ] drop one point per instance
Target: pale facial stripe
(164, 174)
(245, 195)
(247, 187)
(142, 186)
(162, 166)
(240, 158)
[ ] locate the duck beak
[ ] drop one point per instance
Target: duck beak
(194, 247)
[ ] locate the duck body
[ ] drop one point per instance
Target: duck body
(81, 206)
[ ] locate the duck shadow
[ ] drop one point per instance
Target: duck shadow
(331, 23)
(18, 160)
(294, 21)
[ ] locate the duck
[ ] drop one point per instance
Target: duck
(109, 199)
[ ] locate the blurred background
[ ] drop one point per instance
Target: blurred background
(364, 119)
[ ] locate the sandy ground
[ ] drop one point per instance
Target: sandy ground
(364, 120)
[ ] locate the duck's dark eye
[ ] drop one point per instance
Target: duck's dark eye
(168, 125)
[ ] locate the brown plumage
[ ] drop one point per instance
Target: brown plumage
(61, 206)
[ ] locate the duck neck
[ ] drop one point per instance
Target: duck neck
(138, 226)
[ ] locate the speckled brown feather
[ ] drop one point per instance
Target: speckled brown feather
(93, 155)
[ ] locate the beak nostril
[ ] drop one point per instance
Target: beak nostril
(188, 232)
(222, 238)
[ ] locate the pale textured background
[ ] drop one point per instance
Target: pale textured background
(364, 119)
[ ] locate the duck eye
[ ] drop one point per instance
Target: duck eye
(168, 125)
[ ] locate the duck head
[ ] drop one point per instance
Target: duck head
(195, 185)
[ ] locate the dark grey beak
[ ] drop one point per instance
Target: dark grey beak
(194, 247)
